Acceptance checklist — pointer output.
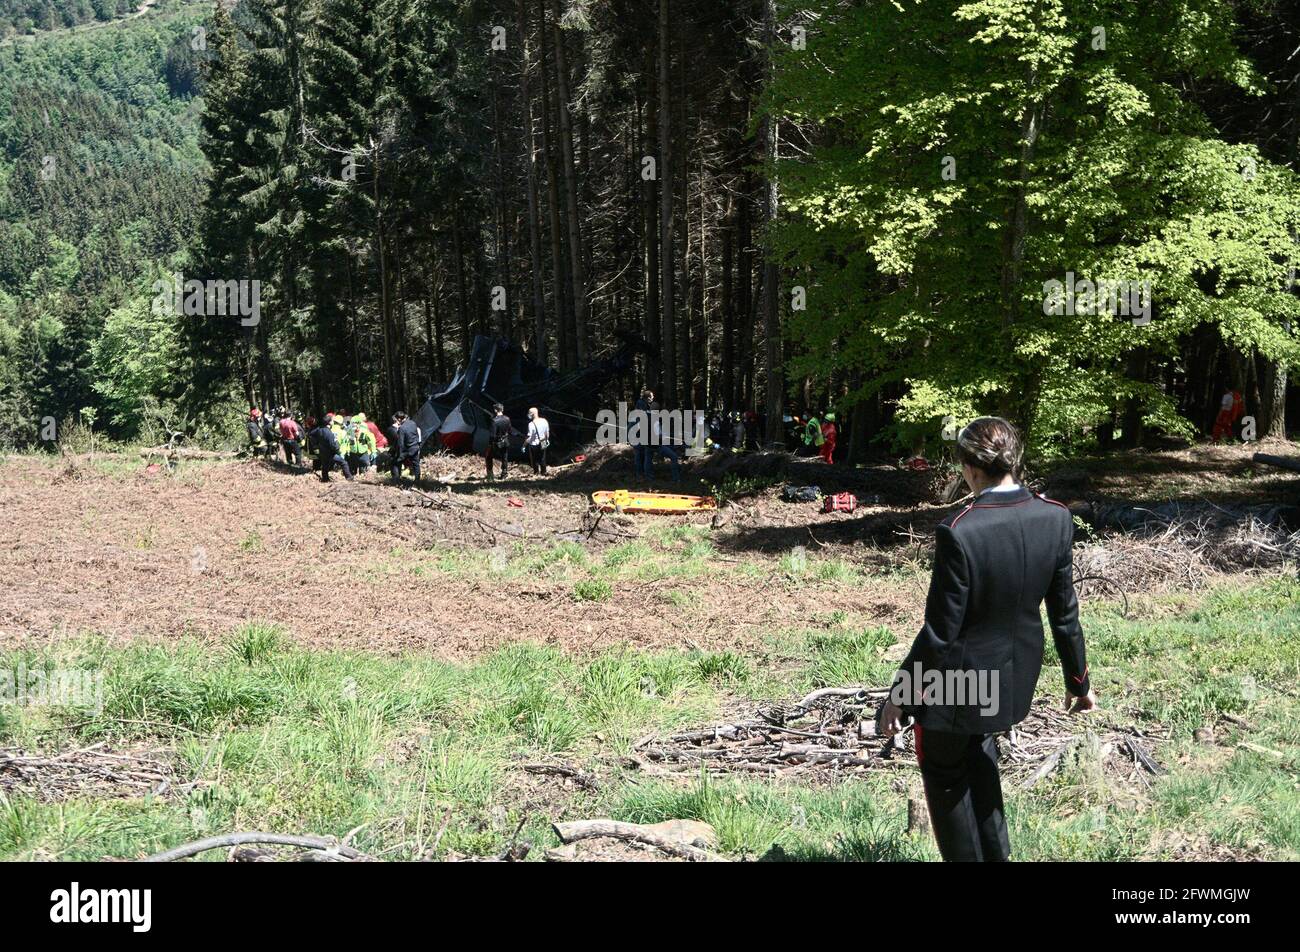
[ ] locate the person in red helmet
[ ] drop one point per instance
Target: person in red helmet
(253, 426)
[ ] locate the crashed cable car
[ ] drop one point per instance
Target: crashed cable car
(457, 417)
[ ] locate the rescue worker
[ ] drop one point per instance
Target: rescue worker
(737, 432)
(253, 425)
(406, 446)
(364, 447)
(812, 436)
(271, 431)
(290, 439)
(381, 441)
(829, 435)
(499, 440)
(335, 423)
(325, 438)
(538, 440)
(974, 666)
(308, 427)
(1231, 408)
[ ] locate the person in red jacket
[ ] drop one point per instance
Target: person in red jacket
(1230, 410)
(291, 439)
(829, 431)
(381, 441)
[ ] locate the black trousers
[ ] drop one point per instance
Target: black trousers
(498, 452)
(292, 451)
(328, 462)
(411, 462)
(537, 456)
(964, 793)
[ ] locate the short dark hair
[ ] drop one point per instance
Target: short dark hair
(991, 444)
(498, 408)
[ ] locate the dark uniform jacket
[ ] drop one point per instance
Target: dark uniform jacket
(501, 429)
(407, 440)
(996, 562)
(323, 440)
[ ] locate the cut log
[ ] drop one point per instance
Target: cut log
(1282, 462)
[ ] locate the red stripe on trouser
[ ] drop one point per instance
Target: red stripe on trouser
(916, 743)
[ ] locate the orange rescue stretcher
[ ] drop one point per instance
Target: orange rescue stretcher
(622, 500)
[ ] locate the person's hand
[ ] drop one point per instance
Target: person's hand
(891, 719)
(1080, 705)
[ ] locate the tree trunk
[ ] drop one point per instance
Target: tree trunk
(576, 263)
(773, 377)
(534, 219)
(668, 344)
(562, 313)
(650, 318)
(745, 293)
(462, 297)
(728, 384)
(382, 257)
(1017, 406)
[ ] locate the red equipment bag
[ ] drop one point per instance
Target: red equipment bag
(840, 502)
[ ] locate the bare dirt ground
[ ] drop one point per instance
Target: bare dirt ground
(109, 547)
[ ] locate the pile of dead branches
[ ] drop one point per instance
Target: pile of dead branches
(1180, 546)
(1046, 739)
(833, 730)
(87, 771)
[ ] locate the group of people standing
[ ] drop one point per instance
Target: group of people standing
(352, 443)
(818, 436)
(654, 443)
(501, 433)
(349, 443)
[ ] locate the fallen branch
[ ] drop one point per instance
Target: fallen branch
(632, 833)
(859, 695)
(1141, 756)
(568, 773)
(335, 851)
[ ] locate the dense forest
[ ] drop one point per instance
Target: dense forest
(828, 203)
(100, 182)
(25, 16)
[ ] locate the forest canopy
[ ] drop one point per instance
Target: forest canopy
(909, 212)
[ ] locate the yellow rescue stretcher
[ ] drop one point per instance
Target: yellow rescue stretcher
(624, 501)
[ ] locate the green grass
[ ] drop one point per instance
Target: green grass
(685, 553)
(276, 737)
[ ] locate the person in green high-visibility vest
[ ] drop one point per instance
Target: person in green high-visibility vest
(812, 435)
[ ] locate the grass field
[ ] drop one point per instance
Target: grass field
(423, 759)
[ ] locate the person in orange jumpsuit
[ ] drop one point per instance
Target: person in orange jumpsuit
(1230, 411)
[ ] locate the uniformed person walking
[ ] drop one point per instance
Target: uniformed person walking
(973, 668)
